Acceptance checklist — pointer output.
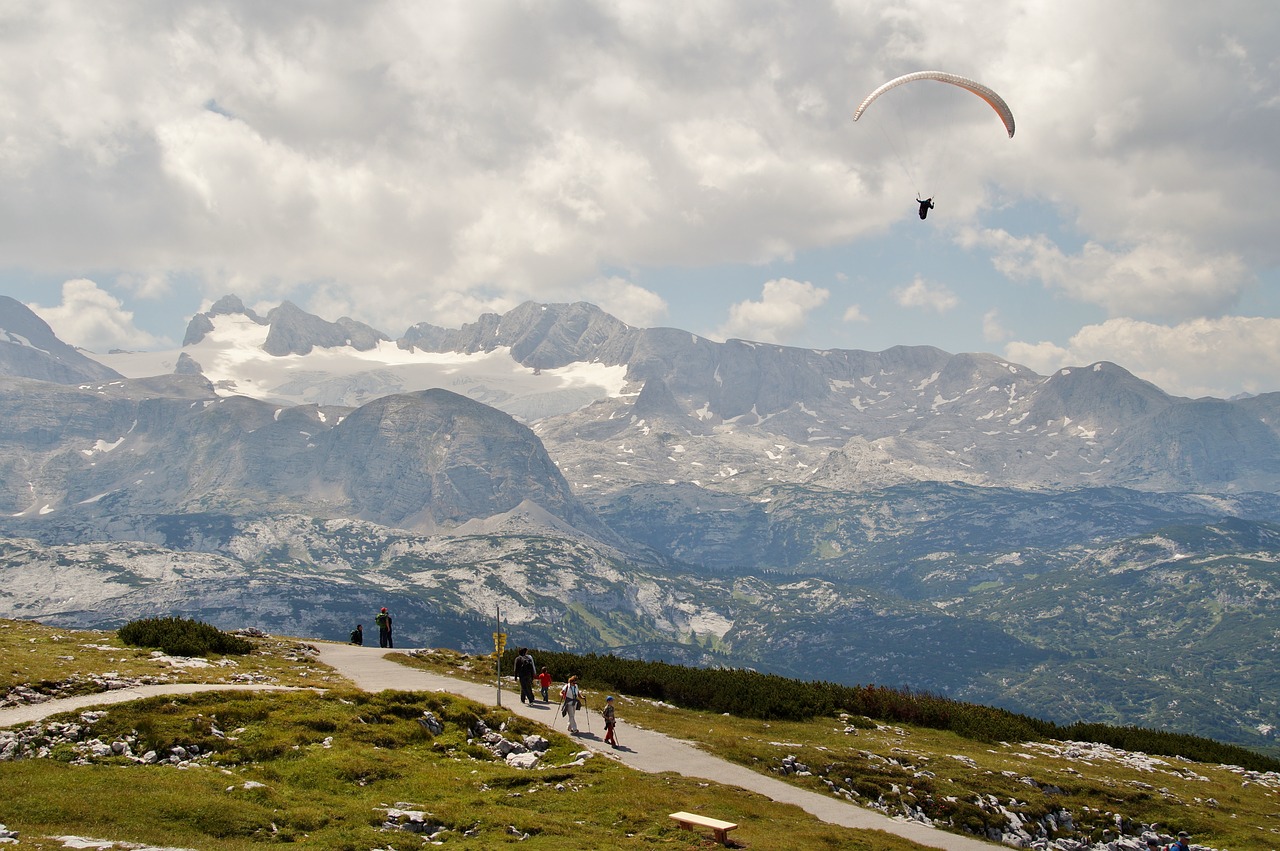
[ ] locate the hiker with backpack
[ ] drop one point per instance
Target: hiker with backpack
(357, 635)
(524, 673)
(383, 620)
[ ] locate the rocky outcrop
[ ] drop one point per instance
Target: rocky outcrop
(202, 323)
(30, 349)
(296, 332)
(421, 461)
(187, 365)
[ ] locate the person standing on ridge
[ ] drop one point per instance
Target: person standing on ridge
(383, 620)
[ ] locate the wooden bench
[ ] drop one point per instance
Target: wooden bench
(719, 828)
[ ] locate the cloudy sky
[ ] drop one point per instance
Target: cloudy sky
(683, 164)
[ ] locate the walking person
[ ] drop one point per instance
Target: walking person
(544, 683)
(610, 722)
(524, 673)
(383, 620)
(571, 702)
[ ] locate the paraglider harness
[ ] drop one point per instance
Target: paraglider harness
(925, 206)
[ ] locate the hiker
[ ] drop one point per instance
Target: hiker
(524, 673)
(1183, 842)
(383, 620)
(544, 682)
(610, 721)
(571, 702)
(357, 635)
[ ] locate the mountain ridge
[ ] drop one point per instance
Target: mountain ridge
(910, 516)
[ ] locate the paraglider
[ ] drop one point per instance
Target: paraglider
(993, 100)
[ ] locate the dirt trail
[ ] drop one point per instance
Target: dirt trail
(644, 750)
(15, 715)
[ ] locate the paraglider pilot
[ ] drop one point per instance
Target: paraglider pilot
(925, 206)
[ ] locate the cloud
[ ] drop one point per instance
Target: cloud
(385, 146)
(407, 162)
(853, 313)
(1158, 279)
(94, 319)
(923, 295)
(1203, 357)
(632, 304)
(783, 307)
(145, 286)
(993, 331)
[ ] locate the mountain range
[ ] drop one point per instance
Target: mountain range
(1079, 545)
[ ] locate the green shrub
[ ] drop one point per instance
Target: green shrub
(750, 694)
(183, 637)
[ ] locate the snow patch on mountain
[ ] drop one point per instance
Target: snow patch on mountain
(232, 357)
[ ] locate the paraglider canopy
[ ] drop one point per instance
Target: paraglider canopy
(994, 100)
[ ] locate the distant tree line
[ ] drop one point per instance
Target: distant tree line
(750, 694)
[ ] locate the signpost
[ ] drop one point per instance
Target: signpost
(499, 644)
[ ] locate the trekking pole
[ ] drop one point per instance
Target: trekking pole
(588, 715)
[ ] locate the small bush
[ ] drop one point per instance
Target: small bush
(182, 637)
(750, 694)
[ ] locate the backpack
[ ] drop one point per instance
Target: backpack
(524, 666)
(381, 619)
(356, 636)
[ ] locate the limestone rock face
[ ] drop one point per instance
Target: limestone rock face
(202, 323)
(30, 349)
(187, 365)
(296, 332)
(170, 444)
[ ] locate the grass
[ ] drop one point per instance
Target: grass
(67, 662)
(904, 766)
(331, 765)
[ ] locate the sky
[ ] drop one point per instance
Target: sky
(692, 165)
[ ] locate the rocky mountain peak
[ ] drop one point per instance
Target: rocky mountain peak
(30, 349)
(296, 332)
(202, 323)
(542, 336)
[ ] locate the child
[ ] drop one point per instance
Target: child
(610, 721)
(544, 682)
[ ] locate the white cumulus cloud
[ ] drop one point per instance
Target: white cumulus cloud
(93, 319)
(1163, 278)
(631, 303)
(1203, 357)
(925, 296)
(782, 309)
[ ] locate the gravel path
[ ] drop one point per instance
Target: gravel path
(644, 750)
(15, 715)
